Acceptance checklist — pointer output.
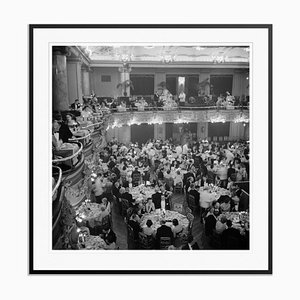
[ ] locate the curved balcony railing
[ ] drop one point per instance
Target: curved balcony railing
(58, 182)
(93, 125)
(69, 158)
(83, 139)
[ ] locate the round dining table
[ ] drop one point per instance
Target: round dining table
(92, 242)
(207, 196)
(89, 212)
(141, 193)
(168, 216)
(240, 220)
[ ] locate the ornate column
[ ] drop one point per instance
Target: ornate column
(59, 79)
(85, 72)
(125, 75)
(74, 79)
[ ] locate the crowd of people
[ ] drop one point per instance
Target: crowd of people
(161, 99)
(166, 167)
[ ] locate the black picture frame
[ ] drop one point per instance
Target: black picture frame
(269, 27)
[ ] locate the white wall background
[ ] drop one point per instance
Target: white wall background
(16, 283)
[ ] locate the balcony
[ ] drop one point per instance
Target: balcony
(177, 115)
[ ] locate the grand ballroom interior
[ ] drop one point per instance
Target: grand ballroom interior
(150, 147)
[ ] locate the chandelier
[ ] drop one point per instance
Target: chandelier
(218, 119)
(167, 58)
(241, 119)
(218, 59)
(155, 120)
(125, 57)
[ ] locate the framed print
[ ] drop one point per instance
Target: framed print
(150, 149)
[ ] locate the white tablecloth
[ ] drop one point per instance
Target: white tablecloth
(157, 216)
(93, 242)
(89, 212)
(141, 193)
(213, 194)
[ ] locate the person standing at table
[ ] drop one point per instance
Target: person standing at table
(167, 197)
(136, 177)
(156, 198)
(98, 188)
(195, 194)
(134, 222)
(210, 225)
(205, 199)
(222, 173)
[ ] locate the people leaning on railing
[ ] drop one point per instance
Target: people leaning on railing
(75, 129)
(140, 103)
(60, 139)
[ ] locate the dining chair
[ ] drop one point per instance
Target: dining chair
(164, 242)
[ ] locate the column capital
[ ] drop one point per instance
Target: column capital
(125, 68)
(77, 60)
(60, 50)
(86, 68)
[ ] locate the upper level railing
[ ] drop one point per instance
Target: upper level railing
(93, 125)
(174, 108)
(70, 158)
(83, 139)
(58, 182)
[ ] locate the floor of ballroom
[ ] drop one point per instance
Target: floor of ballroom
(120, 228)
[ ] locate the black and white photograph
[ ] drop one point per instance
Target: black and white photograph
(149, 150)
(149, 147)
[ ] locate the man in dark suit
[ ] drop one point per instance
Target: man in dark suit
(128, 196)
(156, 198)
(64, 132)
(231, 238)
(195, 194)
(76, 105)
(210, 223)
(164, 231)
(109, 235)
(136, 177)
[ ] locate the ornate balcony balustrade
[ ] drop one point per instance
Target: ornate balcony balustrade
(177, 116)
